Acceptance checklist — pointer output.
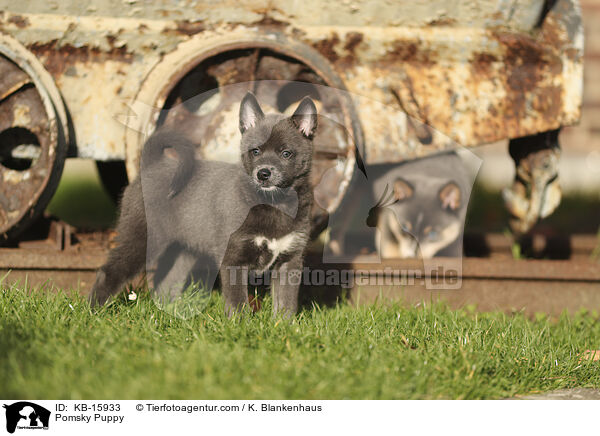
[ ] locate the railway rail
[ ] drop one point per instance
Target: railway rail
(560, 274)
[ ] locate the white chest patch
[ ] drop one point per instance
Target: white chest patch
(287, 243)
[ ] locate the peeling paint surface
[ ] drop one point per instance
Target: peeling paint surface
(475, 72)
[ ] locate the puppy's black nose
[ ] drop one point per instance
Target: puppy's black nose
(263, 174)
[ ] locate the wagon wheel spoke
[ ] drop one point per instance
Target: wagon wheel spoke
(11, 196)
(12, 78)
(13, 89)
(24, 131)
(234, 77)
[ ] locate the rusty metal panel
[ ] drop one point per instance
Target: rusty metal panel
(476, 72)
(520, 15)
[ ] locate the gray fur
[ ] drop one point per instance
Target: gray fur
(195, 218)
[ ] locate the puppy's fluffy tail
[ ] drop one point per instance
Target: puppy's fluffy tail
(154, 151)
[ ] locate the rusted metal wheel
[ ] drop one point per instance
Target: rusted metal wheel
(33, 145)
(200, 95)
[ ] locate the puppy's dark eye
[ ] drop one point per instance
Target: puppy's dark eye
(286, 154)
(255, 152)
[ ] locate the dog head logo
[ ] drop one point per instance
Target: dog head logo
(26, 415)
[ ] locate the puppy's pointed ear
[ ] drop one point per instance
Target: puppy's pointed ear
(450, 197)
(403, 190)
(305, 117)
(250, 112)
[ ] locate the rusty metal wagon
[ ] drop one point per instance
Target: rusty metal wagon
(90, 79)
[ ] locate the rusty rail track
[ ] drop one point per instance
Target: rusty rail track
(565, 277)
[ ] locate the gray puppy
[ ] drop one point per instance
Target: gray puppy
(198, 218)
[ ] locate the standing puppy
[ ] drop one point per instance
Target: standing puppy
(187, 215)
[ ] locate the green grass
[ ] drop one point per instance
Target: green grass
(53, 346)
